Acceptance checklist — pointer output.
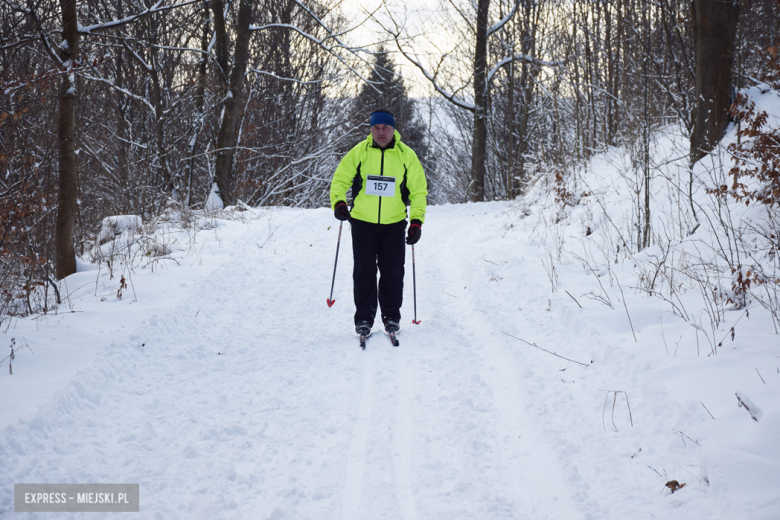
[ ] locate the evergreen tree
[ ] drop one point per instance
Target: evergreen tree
(385, 89)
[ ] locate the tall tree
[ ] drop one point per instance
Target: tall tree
(233, 69)
(385, 88)
(68, 167)
(511, 120)
(200, 95)
(715, 31)
(481, 77)
(232, 75)
(479, 145)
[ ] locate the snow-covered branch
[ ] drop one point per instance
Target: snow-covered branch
(505, 19)
(124, 91)
(430, 76)
(319, 41)
(156, 8)
(294, 80)
(521, 57)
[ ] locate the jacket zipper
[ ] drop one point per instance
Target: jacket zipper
(381, 173)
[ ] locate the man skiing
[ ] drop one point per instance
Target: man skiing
(385, 176)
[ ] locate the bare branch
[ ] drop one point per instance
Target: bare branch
(156, 8)
(505, 19)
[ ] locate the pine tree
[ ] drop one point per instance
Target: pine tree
(386, 89)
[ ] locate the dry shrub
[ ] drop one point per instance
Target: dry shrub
(757, 157)
(757, 152)
(562, 194)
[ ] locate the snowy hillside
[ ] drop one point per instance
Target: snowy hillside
(543, 382)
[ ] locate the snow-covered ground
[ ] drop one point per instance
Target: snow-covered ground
(538, 384)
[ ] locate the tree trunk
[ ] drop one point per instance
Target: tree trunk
(522, 145)
(228, 130)
(527, 82)
(609, 129)
(123, 127)
(479, 145)
(68, 165)
(171, 187)
(578, 137)
(715, 30)
(199, 103)
(511, 145)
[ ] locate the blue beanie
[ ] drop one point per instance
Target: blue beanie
(382, 117)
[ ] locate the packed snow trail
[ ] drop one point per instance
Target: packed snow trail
(353, 479)
(252, 399)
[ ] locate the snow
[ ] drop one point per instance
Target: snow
(82, 266)
(115, 225)
(225, 386)
(214, 201)
(745, 402)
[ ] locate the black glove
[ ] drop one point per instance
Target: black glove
(414, 232)
(341, 211)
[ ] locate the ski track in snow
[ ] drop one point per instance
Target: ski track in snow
(404, 421)
(353, 482)
(516, 468)
(251, 398)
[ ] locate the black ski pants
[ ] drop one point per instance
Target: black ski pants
(378, 246)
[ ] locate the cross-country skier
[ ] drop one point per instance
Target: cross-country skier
(385, 176)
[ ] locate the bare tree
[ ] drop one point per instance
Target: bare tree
(232, 73)
(481, 77)
(68, 193)
(715, 23)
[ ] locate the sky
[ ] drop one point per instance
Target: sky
(420, 20)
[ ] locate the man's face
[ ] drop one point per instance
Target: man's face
(382, 134)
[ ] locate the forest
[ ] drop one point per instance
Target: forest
(138, 107)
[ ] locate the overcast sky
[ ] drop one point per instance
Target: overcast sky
(415, 14)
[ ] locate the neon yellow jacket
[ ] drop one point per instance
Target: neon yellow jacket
(398, 161)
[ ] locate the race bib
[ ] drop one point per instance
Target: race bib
(380, 186)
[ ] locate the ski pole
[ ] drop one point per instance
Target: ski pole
(331, 301)
(414, 289)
